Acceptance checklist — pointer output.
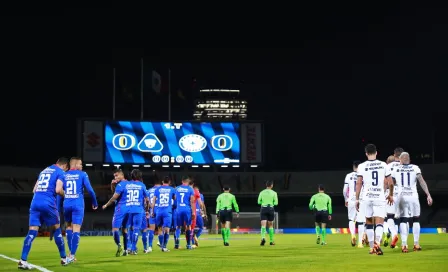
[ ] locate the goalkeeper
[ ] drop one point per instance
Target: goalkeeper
(224, 204)
(321, 204)
(267, 199)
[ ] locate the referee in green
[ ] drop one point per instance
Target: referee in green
(224, 204)
(267, 199)
(321, 203)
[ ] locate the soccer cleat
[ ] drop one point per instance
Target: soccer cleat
(148, 250)
(353, 241)
(176, 247)
(272, 244)
(417, 248)
(377, 249)
(404, 249)
(386, 241)
(226, 244)
(372, 251)
(365, 241)
(263, 241)
(360, 246)
(66, 261)
(125, 253)
(158, 244)
(133, 252)
(394, 241)
(196, 242)
(119, 251)
(165, 250)
(22, 265)
(318, 240)
(323, 243)
(190, 247)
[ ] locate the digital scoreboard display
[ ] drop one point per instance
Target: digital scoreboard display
(171, 143)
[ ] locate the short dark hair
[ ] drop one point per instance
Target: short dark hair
(226, 188)
(370, 149)
(269, 183)
(321, 187)
(356, 163)
(118, 171)
(157, 182)
(191, 183)
(136, 174)
(185, 177)
(166, 180)
(62, 161)
(398, 151)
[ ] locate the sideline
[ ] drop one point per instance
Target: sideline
(40, 268)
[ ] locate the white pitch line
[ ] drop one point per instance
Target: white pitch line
(40, 268)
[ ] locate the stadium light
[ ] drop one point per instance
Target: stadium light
(135, 165)
(146, 165)
(106, 165)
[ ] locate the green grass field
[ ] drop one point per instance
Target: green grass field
(292, 253)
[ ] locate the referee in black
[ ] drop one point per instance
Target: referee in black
(267, 199)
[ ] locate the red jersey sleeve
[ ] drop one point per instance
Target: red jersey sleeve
(197, 195)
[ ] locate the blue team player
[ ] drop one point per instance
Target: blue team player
(200, 215)
(119, 177)
(152, 219)
(162, 198)
(43, 210)
(75, 182)
(185, 210)
(130, 196)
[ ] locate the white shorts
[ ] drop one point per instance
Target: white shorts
(360, 216)
(390, 209)
(351, 208)
(375, 208)
(409, 206)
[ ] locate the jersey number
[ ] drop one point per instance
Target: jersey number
(375, 178)
(164, 198)
(133, 195)
(409, 179)
(182, 198)
(71, 187)
(43, 182)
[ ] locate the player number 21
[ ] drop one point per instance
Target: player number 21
(132, 196)
(43, 182)
(71, 187)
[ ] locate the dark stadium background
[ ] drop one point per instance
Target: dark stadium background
(335, 82)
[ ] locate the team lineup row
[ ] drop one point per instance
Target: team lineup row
(384, 194)
(137, 209)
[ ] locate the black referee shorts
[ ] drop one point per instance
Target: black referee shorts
(321, 216)
(225, 216)
(267, 213)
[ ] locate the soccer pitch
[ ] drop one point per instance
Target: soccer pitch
(292, 252)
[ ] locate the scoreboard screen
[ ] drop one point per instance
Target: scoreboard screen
(171, 143)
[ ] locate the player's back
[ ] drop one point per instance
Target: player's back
(164, 194)
(373, 173)
(405, 176)
(351, 179)
(183, 196)
(45, 194)
(135, 195)
(74, 188)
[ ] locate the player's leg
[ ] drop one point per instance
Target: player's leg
(130, 234)
(393, 230)
(222, 221)
(77, 218)
(415, 210)
(369, 225)
(351, 208)
(166, 231)
(405, 215)
(117, 222)
(317, 223)
(229, 219)
(193, 225)
(379, 210)
(51, 218)
(178, 222)
(323, 223)
(263, 221)
(151, 232)
(34, 224)
(186, 218)
(271, 217)
(136, 219)
(68, 227)
(144, 228)
(200, 225)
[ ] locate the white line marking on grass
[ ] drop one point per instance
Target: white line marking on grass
(40, 268)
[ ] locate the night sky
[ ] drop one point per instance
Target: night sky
(335, 82)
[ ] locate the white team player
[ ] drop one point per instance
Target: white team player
(374, 175)
(392, 213)
(361, 221)
(406, 176)
(349, 193)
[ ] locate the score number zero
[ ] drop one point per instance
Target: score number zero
(124, 141)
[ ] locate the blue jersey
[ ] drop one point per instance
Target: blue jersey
(74, 184)
(183, 197)
(163, 195)
(132, 195)
(198, 207)
(45, 194)
(151, 193)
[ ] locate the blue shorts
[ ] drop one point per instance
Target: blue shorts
(43, 214)
(164, 219)
(74, 214)
(120, 220)
(145, 222)
(174, 219)
(135, 220)
(183, 217)
(199, 221)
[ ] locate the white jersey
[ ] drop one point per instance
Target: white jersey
(405, 176)
(393, 165)
(350, 184)
(373, 173)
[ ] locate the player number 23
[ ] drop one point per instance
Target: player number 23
(164, 198)
(44, 181)
(132, 196)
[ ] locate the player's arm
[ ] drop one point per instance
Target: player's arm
(218, 204)
(346, 188)
(192, 203)
(35, 186)
(311, 205)
(111, 200)
(329, 206)
(260, 198)
(88, 186)
(358, 187)
(59, 187)
(425, 189)
(275, 199)
(153, 203)
(235, 205)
